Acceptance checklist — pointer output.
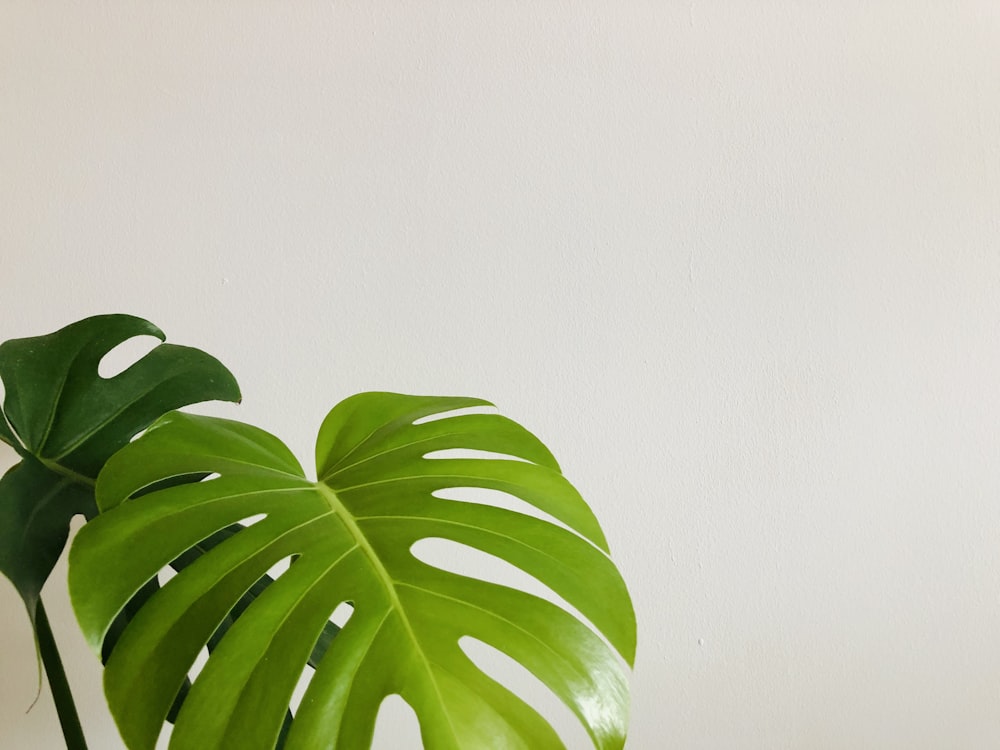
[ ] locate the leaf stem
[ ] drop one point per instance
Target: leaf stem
(65, 707)
(65, 471)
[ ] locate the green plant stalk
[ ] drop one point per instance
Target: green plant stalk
(65, 707)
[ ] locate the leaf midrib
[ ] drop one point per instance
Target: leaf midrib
(74, 476)
(47, 498)
(50, 420)
(389, 583)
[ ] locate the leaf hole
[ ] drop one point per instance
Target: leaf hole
(8, 457)
(470, 562)
(5, 450)
(457, 413)
(281, 567)
(174, 481)
(497, 499)
(126, 354)
(523, 683)
(165, 575)
(342, 614)
(251, 520)
(300, 688)
(396, 726)
(163, 741)
(199, 664)
(473, 453)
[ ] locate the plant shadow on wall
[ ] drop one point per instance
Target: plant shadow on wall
(225, 504)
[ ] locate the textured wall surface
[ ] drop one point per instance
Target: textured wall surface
(737, 263)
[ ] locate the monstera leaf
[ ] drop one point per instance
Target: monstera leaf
(64, 419)
(348, 538)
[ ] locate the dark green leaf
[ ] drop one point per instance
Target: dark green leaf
(69, 416)
(66, 420)
(36, 506)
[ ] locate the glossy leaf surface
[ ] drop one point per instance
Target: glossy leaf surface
(348, 537)
(65, 420)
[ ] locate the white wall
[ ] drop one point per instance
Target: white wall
(737, 263)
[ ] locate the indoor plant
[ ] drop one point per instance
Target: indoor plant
(222, 502)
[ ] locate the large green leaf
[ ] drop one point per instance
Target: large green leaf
(65, 420)
(349, 537)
